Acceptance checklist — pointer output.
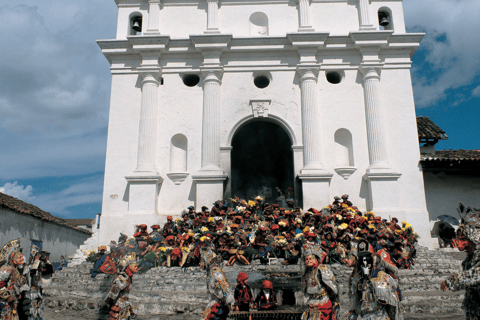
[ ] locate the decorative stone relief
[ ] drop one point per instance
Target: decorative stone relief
(260, 107)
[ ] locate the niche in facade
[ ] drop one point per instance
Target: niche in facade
(190, 80)
(135, 25)
(178, 158)
(344, 160)
(258, 24)
(385, 20)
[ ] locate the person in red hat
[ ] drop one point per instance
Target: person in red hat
(243, 294)
(266, 298)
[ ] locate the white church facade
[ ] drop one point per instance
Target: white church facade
(216, 98)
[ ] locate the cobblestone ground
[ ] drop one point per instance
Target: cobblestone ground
(86, 315)
(49, 314)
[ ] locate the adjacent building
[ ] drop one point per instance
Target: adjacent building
(34, 226)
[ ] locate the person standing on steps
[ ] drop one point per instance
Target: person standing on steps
(468, 234)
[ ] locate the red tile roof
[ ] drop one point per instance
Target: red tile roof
(427, 130)
(453, 155)
(80, 222)
(22, 207)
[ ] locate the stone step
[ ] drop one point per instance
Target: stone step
(170, 291)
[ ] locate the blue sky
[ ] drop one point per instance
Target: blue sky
(55, 87)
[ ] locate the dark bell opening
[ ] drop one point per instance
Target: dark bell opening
(261, 82)
(334, 77)
(288, 298)
(191, 80)
(137, 24)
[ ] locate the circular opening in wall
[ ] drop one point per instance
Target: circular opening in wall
(334, 77)
(191, 80)
(261, 81)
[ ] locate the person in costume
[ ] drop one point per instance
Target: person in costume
(373, 292)
(11, 260)
(320, 286)
(218, 285)
(243, 294)
(117, 297)
(30, 286)
(468, 237)
(266, 299)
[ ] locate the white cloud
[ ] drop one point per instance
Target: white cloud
(18, 191)
(476, 92)
(452, 46)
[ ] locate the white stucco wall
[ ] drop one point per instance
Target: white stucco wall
(445, 191)
(55, 239)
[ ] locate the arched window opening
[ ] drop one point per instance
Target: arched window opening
(258, 24)
(178, 153)
(135, 26)
(385, 20)
(343, 148)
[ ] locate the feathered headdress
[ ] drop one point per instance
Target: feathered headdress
(8, 249)
(127, 260)
(316, 251)
(470, 222)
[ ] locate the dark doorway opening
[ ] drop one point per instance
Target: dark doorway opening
(262, 161)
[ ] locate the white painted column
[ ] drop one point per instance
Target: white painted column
(304, 16)
(310, 120)
(364, 15)
(315, 179)
(148, 123)
(211, 120)
(377, 140)
(212, 16)
(153, 17)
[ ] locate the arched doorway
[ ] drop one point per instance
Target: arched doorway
(262, 160)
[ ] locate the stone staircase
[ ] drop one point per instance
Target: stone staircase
(176, 291)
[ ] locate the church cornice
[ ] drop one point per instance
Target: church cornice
(399, 44)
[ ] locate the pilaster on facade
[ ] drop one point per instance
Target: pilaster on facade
(307, 45)
(212, 16)
(211, 46)
(153, 18)
(150, 48)
(304, 24)
(364, 16)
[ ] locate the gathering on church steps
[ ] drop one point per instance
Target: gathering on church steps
(262, 162)
(281, 249)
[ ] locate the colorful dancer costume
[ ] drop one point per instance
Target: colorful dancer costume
(373, 291)
(217, 285)
(468, 234)
(10, 259)
(320, 286)
(30, 285)
(122, 309)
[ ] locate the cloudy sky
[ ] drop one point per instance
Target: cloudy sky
(55, 86)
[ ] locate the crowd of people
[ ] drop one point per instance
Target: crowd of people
(242, 231)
